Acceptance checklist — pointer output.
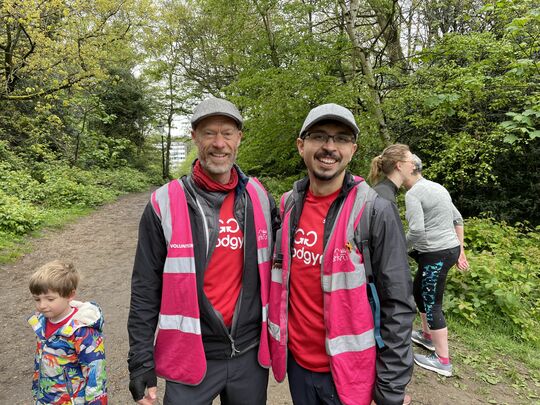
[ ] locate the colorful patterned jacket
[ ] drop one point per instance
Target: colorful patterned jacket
(69, 367)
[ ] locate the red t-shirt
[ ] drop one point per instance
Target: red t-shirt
(51, 327)
(306, 319)
(223, 277)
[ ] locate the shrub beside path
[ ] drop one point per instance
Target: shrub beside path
(102, 246)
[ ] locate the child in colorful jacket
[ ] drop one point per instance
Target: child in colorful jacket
(69, 366)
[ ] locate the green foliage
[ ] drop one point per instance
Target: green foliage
(453, 111)
(16, 216)
(16, 178)
(522, 126)
(502, 281)
(65, 187)
(277, 186)
(52, 193)
(277, 102)
(124, 179)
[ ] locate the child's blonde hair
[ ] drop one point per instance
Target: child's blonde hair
(57, 276)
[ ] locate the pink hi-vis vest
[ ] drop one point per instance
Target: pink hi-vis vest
(350, 340)
(179, 352)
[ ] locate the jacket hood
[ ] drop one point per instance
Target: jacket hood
(88, 315)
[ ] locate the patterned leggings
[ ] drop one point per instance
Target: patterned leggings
(430, 281)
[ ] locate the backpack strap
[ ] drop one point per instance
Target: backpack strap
(365, 226)
(285, 203)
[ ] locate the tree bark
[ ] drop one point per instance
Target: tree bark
(387, 13)
(360, 54)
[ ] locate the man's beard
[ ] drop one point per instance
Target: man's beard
(330, 176)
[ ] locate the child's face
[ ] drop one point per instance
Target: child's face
(52, 305)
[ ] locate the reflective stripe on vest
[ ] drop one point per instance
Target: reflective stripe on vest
(263, 231)
(179, 352)
(350, 341)
(279, 298)
(178, 322)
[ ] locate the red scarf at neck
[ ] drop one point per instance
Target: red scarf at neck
(205, 181)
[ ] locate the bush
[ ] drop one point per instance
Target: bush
(277, 187)
(17, 217)
(65, 187)
(124, 179)
(503, 279)
(18, 183)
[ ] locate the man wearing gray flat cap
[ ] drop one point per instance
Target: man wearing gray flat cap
(199, 290)
(341, 306)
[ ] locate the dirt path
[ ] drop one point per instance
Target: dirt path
(102, 247)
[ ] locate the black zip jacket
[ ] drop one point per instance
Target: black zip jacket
(219, 341)
(394, 286)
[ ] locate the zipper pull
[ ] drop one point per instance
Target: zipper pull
(234, 350)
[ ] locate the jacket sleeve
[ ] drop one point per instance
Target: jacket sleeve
(274, 214)
(35, 377)
(91, 356)
(146, 282)
(394, 286)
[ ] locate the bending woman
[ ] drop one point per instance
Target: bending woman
(436, 233)
(387, 170)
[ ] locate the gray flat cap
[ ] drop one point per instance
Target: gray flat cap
(330, 112)
(216, 106)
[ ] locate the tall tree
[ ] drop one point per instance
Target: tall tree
(53, 45)
(361, 57)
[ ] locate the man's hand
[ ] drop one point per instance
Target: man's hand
(139, 384)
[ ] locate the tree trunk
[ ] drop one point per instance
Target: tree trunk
(387, 13)
(78, 139)
(270, 35)
(170, 116)
(360, 54)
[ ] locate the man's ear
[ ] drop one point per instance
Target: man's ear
(300, 146)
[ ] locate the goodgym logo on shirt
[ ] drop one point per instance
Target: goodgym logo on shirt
(303, 247)
(230, 235)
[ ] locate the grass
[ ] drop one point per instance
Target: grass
(496, 358)
(11, 247)
(14, 246)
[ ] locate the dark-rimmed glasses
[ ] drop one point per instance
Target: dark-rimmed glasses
(322, 138)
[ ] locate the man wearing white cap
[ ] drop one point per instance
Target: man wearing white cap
(341, 306)
(199, 290)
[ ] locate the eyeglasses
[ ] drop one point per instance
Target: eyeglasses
(322, 138)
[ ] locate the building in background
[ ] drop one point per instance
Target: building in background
(178, 153)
